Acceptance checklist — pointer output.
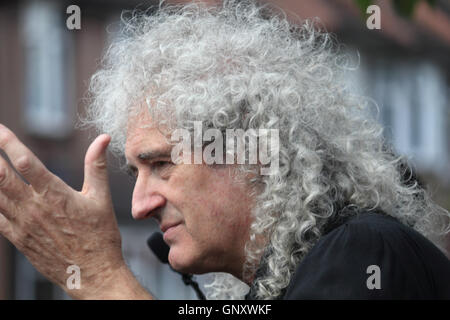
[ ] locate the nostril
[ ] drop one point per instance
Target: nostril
(147, 207)
(138, 213)
(156, 201)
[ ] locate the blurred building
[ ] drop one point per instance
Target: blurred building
(45, 69)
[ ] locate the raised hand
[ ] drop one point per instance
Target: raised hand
(55, 226)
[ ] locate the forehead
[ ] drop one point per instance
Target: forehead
(144, 136)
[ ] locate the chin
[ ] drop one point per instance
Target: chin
(180, 259)
(185, 261)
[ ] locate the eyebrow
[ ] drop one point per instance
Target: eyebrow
(150, 155)
(147, 156)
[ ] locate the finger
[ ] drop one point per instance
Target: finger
(25, 162)
(11, 186)
(5, 227)
(95, 167)
(6, 206)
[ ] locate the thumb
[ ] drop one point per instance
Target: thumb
(95, 167)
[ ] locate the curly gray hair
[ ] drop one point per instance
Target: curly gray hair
(235, 66)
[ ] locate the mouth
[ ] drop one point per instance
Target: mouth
(170, 233)
(168, 226)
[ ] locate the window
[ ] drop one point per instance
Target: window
(46, 42)
(411, 96)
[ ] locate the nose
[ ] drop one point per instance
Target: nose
(146, 199)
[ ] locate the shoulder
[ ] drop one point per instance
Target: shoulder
(371, 256)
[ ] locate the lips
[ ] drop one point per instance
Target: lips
(166, 226)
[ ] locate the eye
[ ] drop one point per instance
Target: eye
(161, 164)
(162, 168)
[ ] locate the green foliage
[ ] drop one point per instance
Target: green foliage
(363, 4)
(405, 8)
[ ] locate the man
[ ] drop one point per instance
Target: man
(333, 219)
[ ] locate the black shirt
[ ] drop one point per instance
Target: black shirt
(371, 256)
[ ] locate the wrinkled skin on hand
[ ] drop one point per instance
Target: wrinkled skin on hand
(55, 226)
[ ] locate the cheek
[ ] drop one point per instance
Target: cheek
(218, 217)
(215, 209)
